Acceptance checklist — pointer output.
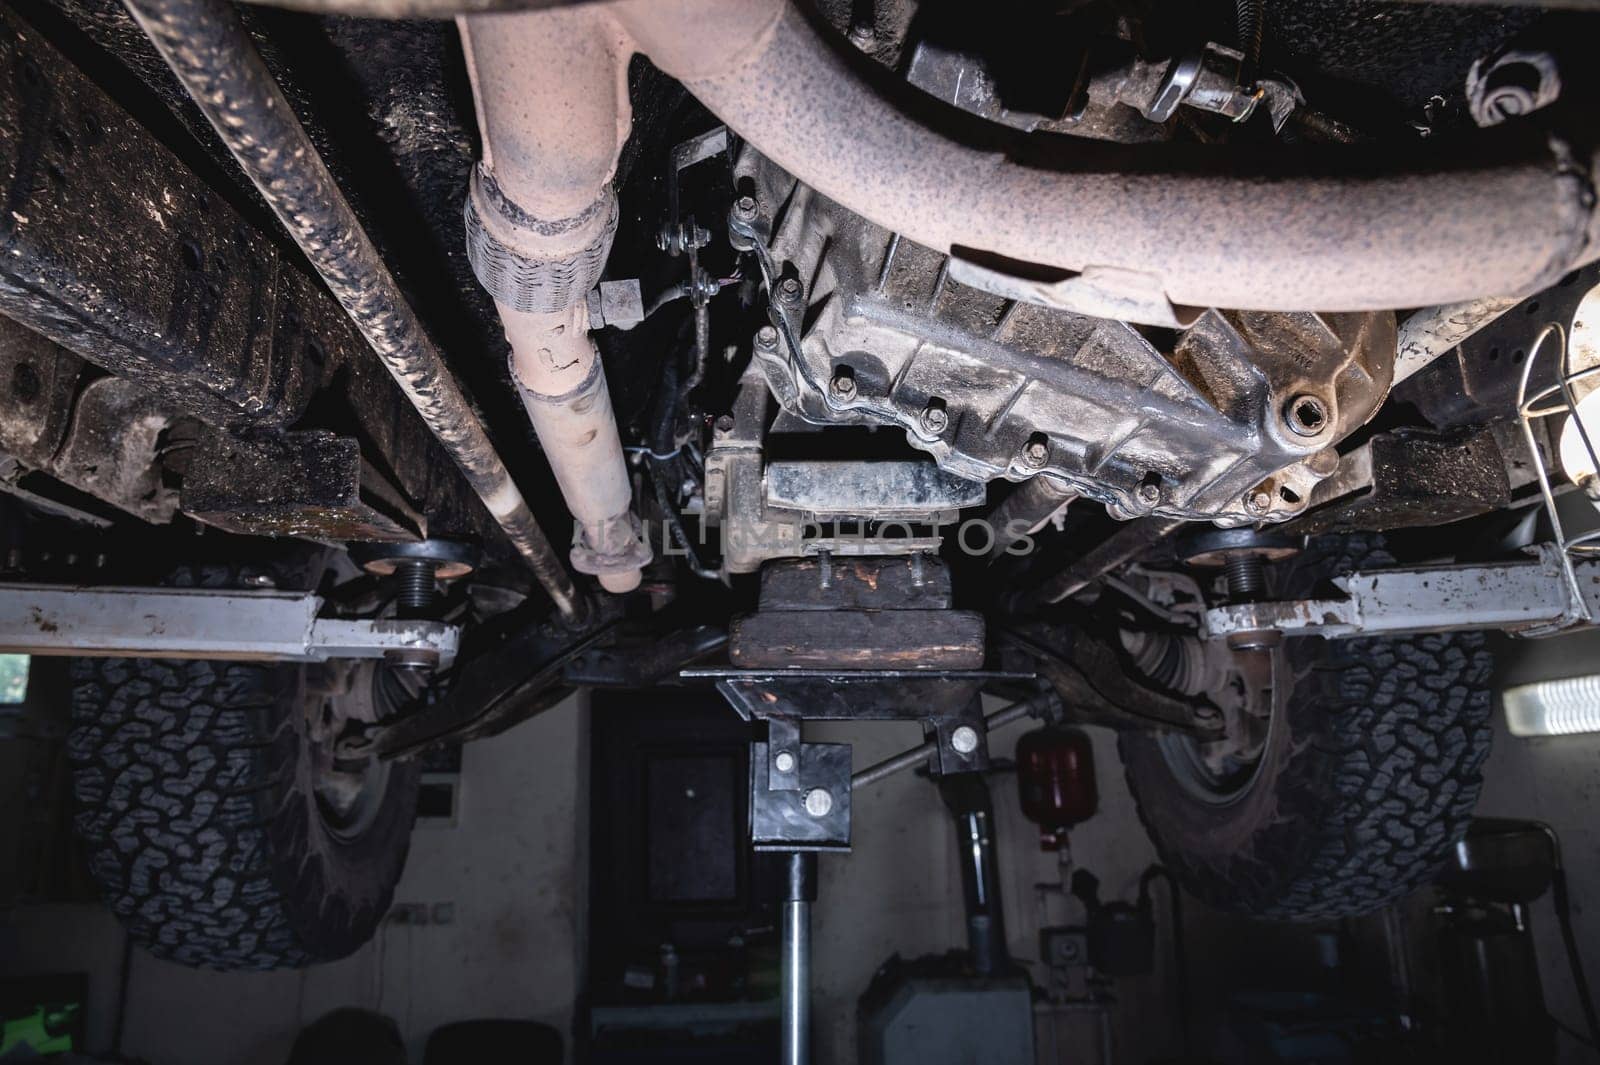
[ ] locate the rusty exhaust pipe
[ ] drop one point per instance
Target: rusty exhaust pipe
(552, 104)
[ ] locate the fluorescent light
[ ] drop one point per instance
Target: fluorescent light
(1554, 707)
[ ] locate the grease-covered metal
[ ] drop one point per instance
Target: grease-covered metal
(209, 50)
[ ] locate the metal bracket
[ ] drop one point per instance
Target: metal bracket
(945, 701)
(49, 619)
(1531, 598)
(799, 792)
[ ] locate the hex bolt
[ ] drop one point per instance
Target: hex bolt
(783, 762)
(790, 290)
(767, 338)
(964, 740)
(419, 591)
(745, 208)
(1149, 494)
(863, 36)
(724, 423)
(934, 417)
(1037, 453)
(843, 385)
(1258, 501)
(818, 802)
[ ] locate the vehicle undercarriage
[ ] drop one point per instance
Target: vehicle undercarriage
(1211, 376)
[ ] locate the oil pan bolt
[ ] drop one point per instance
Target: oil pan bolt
(1149, 494)
(1258, 501)
(1037, 453)
(790, 290)
(843, 385)
(934, 418)
(745, 208)
(767, 338)
(1306, 415)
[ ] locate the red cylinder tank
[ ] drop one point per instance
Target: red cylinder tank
(1055, 781)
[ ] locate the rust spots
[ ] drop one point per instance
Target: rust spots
(553, 361)
(42, 622)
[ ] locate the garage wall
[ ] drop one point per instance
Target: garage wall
(1555, 780)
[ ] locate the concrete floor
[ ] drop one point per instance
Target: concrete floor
(512, 874)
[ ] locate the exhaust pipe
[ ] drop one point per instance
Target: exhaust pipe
(552, 104)
(1152, 230)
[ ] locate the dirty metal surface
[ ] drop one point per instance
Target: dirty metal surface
(1400, 480)
(312, 484)
(1530, 597)
(880, 491)
(44, 619)
(119, 252)
(1198, 423)
(102, 436)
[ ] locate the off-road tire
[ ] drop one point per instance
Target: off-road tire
(200, 822)
(1369, 774)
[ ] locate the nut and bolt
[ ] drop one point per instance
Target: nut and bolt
(964, 740)
(1036, 454)
(1149, 494)
(934, 417)
(1258, 501)
(783, 762)
(843, 385)
(818, 802)
(790, 290)
(767, 338)
(724, 423)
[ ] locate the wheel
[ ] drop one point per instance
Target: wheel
(221, 821)
(1346, 788)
